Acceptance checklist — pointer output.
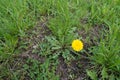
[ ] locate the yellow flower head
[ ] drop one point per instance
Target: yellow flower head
(77, 45)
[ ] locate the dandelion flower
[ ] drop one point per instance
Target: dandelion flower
(77, 45)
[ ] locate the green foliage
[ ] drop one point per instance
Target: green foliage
(41, 7)
(52, 48)
(65, 18)
(38, 71)
(104, 73)
(92, 74)
(103, 11)
(9, 46)
(29, 69)
(63, 27)
(107, 53)
(15, 17)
